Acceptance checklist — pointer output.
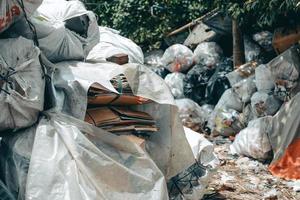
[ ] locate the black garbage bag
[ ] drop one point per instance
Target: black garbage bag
(196, 81)
(218, 83)
(160, 71)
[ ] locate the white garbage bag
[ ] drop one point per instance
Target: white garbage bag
(74, 160)
(253, 141)
(22, 84)
(264, 104)
(111, 43)
(208, 54)
(177, 58)
(56, 40)
(11, 11)
(175, 83)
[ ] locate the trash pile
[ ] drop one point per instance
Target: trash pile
(255, 104)
(84, 118)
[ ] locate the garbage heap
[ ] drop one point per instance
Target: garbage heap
(83, 117)
(255, 104)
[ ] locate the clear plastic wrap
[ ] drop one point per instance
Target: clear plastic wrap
(175, 83)
(208, 54)
(74, 160)
(178, 58)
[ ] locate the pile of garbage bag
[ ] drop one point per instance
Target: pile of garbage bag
(78, 124)
(250, 104)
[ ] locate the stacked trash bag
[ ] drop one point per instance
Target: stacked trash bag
(77, 126)
(255, 104)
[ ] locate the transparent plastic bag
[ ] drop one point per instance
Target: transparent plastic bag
(264, 39)
(253, 141)
(178, 58)
(208, 54)
(191, 114)
(252, 50)
(245, 89)
(175, 83)
(264, 104)
(228, 122)
(264, 79)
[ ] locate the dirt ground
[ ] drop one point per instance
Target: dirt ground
(241, 178)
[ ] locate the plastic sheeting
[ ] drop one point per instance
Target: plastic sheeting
(253, 141)
(175, 83)
(178, 58)
(22, 92)
(284, 138)
(168, 147)
(111, 43)
(11, 11)
(191, 183)
(56, 41)
(74, 160)
(285, 127)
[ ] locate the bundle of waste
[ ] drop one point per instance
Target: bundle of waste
(65, 30)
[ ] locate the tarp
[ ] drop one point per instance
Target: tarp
(71, 159)
(112, 43)
(168, 147)
(284, 138)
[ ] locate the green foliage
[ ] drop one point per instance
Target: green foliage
(134, 19)
(261, 14)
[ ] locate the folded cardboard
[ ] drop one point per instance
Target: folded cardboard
(108, 117)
